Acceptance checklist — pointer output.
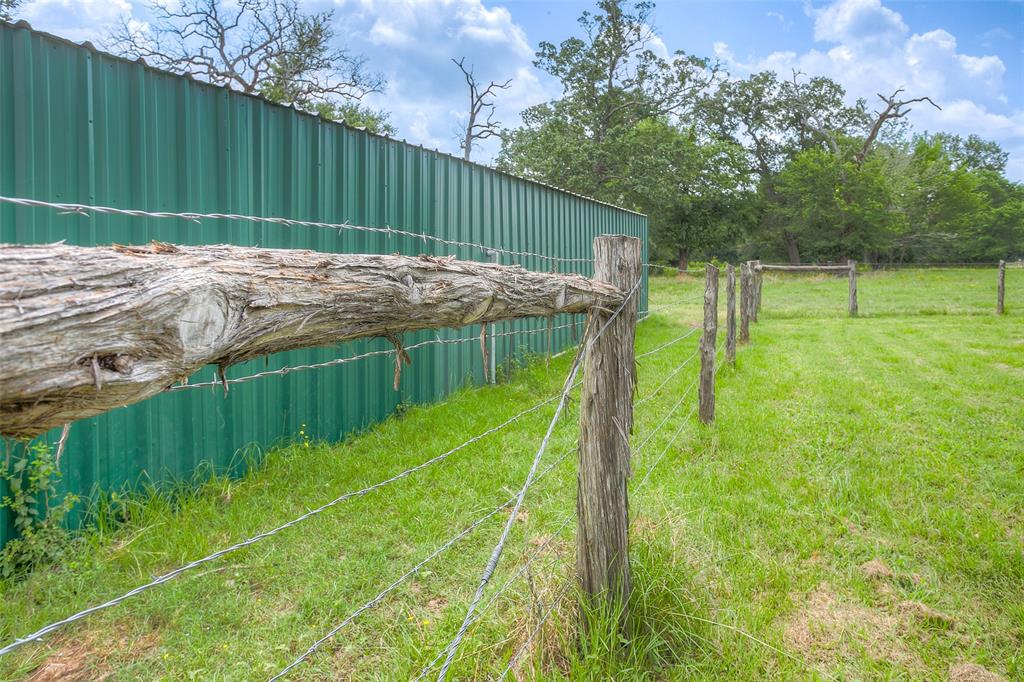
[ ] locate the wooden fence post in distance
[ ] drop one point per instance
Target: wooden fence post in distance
(853, 287)
(745, 303)
(707, 346)
(758, 281)
(730, 315)
(1001, 289)
(606, 418)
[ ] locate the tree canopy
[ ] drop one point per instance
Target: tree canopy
(775, 166)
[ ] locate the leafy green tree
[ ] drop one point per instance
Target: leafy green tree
(971, 153)
(957, 206)
(774, 120)
(693, 190)
(611, 80)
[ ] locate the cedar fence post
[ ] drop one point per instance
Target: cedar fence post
(707, 345)
(730, 315)
(1001, 289)
(758, 279)
(606, 419)
(745, 303)
(853, 287)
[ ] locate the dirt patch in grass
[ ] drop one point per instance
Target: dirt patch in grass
(926, 614)
(876, 569)
(972, 672)
(1009, 369)
(828, 629)
(72, 663)
(89, 658)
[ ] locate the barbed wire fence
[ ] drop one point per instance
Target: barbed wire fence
(481, 602)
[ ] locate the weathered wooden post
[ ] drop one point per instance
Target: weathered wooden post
(606, 419)
(758, 280)
(853, 287)
(706, 387)
(1001, 289)
(730, 315)
(745, 302)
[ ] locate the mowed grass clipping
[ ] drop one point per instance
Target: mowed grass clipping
(855, 512)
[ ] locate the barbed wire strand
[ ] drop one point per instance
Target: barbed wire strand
(667, 415)
(696, 300)
(42, 632)
(669, 343)
(536, 630)
(408, 574)
(508, 582)
(88, 209)
(537, 553)
(682, 424)
(492, 563)
(341, 361)
(669, 378)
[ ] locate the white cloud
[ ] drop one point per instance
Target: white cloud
(858, 22)
(76, 20)
(873, 51)
(420, 25)
(781, 18)
(412, 42)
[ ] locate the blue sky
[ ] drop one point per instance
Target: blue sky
(969, 56)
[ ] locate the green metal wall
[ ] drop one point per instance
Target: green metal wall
(78, 125)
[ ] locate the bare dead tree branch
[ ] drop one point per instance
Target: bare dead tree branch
(480, 99)
(256, 46)
(894, 109)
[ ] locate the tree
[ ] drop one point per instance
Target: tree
(480, 99)
(7, 8)
(863, 202)
(611, 80)
(693, 189)
(267, 47)
(973, 153)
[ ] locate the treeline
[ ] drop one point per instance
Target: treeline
(774, 167)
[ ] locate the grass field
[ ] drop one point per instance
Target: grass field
(855, 512)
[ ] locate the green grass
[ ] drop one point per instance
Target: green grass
(896, 436)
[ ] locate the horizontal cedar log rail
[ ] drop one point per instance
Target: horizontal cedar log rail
(803, 268)
(88, 329)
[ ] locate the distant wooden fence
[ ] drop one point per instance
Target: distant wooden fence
(850, 269)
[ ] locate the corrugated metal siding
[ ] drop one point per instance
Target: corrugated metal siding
(81, 126)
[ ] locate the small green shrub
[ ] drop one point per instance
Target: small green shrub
(31, 474)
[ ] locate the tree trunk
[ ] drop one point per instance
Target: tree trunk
(792, 249)
(684, 259)
(87, 329)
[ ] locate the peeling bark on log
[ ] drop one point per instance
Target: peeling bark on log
(87, 329)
